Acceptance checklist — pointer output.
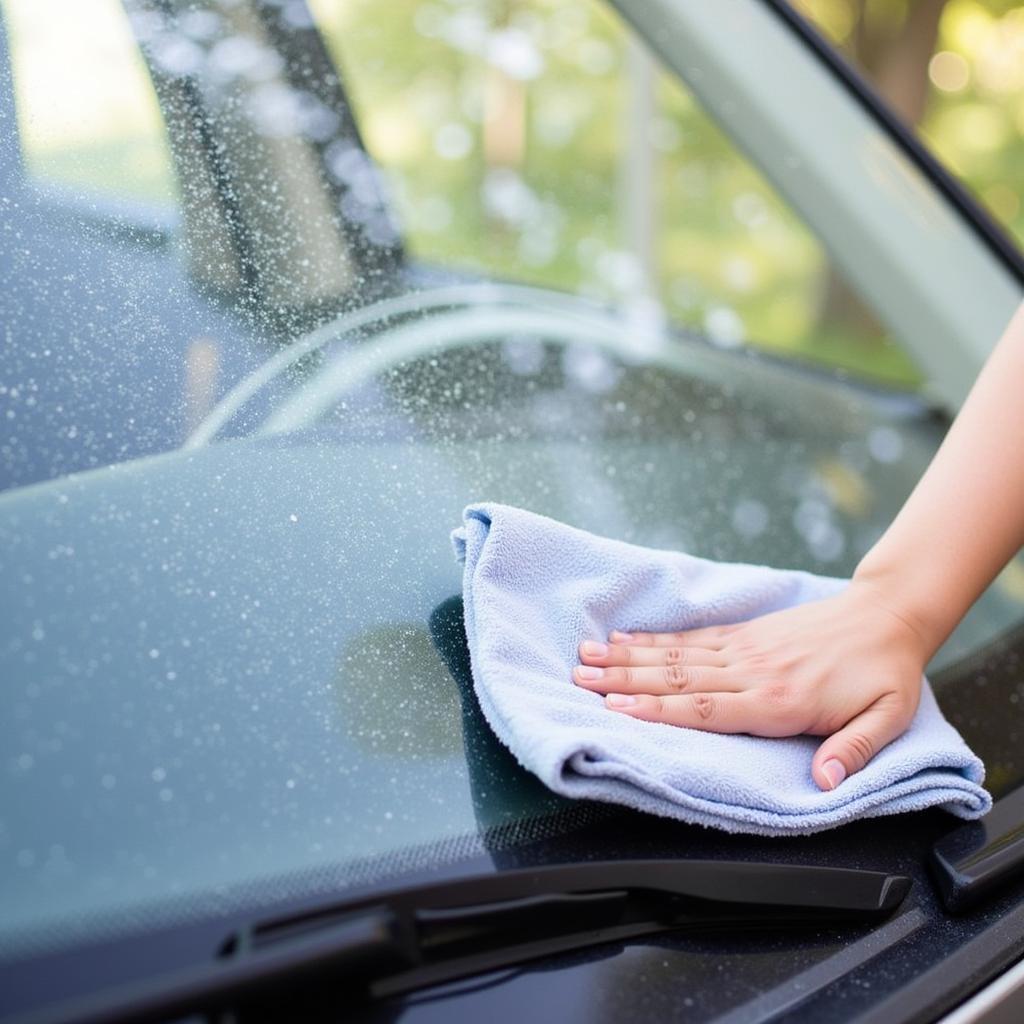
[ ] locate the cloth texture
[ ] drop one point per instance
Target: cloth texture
(534, 588)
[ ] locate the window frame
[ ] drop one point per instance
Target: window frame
(988, 229)
(920, 263)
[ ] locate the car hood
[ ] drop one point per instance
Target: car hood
(220, 669)
(235, 678)
(225, 666)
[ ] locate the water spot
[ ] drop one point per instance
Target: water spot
(885, 445)
(452, 141)
(524, 356)
(826, 541)
(750, 518)
(589, 368)
(724, 327)
(514, 52)
(177, 55)
(507, 197)
(620, 270)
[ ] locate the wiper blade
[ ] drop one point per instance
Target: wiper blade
(982, 855)
(407, 938)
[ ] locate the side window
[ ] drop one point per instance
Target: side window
(109, 352)
(535, 140)
(88, 118)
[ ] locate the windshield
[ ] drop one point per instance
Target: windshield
(287, 285)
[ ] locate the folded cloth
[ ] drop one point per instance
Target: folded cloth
(534, 588)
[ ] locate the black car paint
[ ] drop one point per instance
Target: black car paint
(784, 973)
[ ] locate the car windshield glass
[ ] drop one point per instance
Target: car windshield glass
(285, 286)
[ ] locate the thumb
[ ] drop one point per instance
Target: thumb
(863, 736)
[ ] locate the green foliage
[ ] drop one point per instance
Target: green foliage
(517, 163)
(728, 257)
(978, 127)
(974, 117)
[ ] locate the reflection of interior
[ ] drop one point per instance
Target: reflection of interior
(236, 75)
(398, 693)
(202, 369)
(275, 195)
(394, 696)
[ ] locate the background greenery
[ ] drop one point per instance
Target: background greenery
(955, 70)
(543, 185)
(505, 131)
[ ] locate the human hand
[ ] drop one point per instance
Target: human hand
(848, 667)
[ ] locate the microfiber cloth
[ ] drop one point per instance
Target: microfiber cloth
(535, 588)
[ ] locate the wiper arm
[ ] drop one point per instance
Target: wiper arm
(981, 855)
(405, 939)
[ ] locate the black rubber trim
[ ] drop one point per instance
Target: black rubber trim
(433, 933)
(984, 225)
(959, 976)
(978, 857)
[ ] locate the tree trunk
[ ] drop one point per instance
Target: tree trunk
(896, 63)
(902, 74)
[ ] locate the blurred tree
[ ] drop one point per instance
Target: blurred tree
(892, 41)
(895, 51)
(895, 43)
(931, 58)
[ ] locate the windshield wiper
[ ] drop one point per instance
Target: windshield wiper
(982, 855)
(408, 938)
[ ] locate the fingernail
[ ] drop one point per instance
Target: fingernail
(619, 637)
(588, 672)
(620, 700)
(594, 650)
(834, 772)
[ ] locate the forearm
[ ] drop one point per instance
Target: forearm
(965, 518)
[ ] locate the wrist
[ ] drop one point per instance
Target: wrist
(898, 593)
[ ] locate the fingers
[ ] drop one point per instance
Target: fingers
(606, 655)
(711, 637)
(713, 712)
(655, 670)
(665, 679)
(850, 749)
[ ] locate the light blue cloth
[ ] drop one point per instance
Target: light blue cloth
(534, 588)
